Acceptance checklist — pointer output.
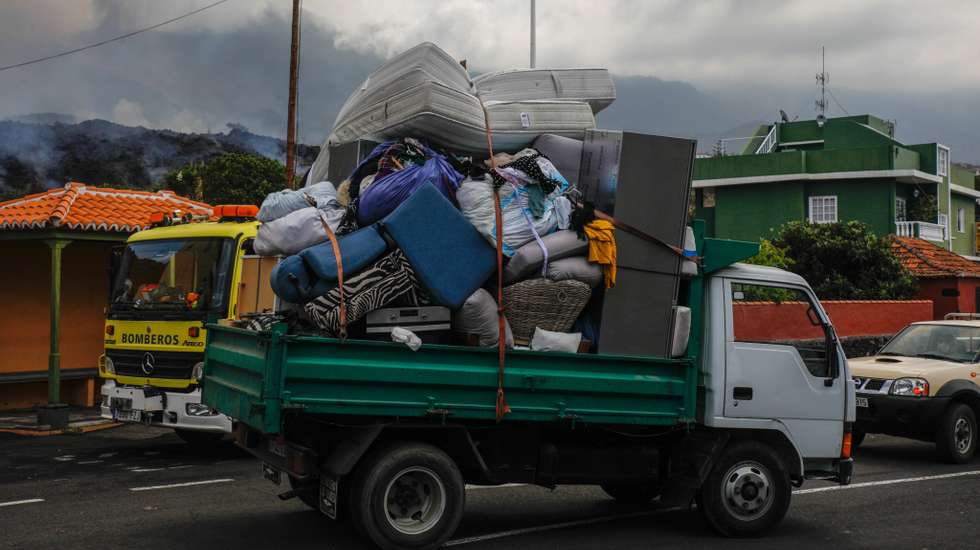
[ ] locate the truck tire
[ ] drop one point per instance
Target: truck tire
(198, 438)
(631, 493)
(747, 491)
(956, 438)
(407, 496)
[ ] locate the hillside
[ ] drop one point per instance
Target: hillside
(38, 153)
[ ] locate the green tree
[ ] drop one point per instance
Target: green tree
(844, 261)
(231, 178)
(771, 255)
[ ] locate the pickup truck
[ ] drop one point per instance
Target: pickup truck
(385, 438)
(923, 385)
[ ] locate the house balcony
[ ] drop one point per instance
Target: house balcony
(921, 230)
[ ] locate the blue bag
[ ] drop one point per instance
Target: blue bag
(385, 194)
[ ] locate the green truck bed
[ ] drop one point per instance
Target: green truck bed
(256, 377)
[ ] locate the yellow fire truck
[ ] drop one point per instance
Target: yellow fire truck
(169, 282)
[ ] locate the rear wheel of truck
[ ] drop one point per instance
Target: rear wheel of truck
(956, 439)
(631, 493)
(407, 495)
(194, 437)
(747, 491)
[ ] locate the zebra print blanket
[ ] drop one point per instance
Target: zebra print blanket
(388, 279)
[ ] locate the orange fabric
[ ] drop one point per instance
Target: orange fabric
(602, 248)
(81, 207)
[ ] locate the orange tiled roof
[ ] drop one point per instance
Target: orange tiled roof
(81, 207)
(928, 261)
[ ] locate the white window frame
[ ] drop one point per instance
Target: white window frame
(823, 209)
(961, 220)
(942, 160)
(901, 209)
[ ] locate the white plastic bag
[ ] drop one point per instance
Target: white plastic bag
(282, 203)
(407, 337)
(298, 230)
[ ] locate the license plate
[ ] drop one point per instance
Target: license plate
(862, 402)
(328, 496)
(276, 448)
(127, 415)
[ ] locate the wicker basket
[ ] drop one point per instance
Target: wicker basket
(551, 305)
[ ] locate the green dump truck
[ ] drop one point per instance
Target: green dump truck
(385, 438)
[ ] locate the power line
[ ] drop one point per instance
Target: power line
(832, 96)
(117, 38)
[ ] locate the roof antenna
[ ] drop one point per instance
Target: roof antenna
(822, 80)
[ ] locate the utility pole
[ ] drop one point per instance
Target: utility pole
(822, 79)
(291, 117)
(533, 37)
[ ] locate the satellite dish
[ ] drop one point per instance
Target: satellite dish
(783, 116)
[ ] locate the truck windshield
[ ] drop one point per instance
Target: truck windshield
(177, 275)
(947, 342)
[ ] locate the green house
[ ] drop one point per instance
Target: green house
(838, 169)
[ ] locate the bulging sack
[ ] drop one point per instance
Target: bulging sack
(479, 316)
(387, 192)
(298, 230)
(287, 201)
(528, 259)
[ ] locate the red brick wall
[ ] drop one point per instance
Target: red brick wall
(762, 321)
(966, 302)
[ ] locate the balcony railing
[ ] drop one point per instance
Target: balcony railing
(922, 230)
(769, 143)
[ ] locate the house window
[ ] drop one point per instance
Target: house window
(961, 220)
(944, 221)
(899, 209)
(708, 197)
(823, 209)
(943, 161)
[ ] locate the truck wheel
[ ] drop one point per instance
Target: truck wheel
(407, 495)
(632, 494)
(956, 439)
(197, 438)
(306, 491)
(747, 491)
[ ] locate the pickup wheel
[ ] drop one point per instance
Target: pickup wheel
(956, 439)
(631, 494)
(407, 496)
(747, 491)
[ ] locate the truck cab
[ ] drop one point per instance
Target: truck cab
(170, 281)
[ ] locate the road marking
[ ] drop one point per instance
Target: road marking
(141, 470)
(88, 461)
(886, 482)
(108, 455)
(16, 502)
(65, 458)
(501, 486)
(562, 525)
(187, 484)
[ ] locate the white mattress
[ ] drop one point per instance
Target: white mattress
(454, 119)
(425, 62)
(593, 86)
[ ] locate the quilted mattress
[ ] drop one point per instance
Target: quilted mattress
(593, 86)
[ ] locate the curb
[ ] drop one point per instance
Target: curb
(76, 428)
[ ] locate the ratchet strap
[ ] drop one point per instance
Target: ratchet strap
(342, 334)
(501, 406)
(625, 227)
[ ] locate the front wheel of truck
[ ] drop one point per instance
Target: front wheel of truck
(747, 491)
(407, 496)
(956, 439)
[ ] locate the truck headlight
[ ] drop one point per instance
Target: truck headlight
(198, 371)
(199, 409)
(915, 387)
(109, 366)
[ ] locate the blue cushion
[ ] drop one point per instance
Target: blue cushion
(450, 257)
(292, 281)
(358, 250)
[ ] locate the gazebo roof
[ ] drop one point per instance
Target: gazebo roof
(80, 207)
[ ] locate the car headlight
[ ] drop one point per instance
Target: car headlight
(915, 387)
(198, 371)
(109, 366)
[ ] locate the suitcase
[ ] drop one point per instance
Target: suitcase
(433, 324)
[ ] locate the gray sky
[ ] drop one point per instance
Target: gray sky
(695, 68)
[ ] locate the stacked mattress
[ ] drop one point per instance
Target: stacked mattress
(425, 93)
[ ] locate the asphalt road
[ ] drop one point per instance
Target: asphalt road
(133, 487)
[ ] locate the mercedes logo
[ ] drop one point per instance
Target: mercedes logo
(149, 363)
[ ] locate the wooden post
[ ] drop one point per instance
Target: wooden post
(54, 355)
(291, 116)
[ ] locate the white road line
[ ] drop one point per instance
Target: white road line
(187, 484)
(885, 482)
(16, 502)
(88, 462)
(140, 470)
(563, 525)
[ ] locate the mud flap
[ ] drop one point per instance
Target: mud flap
(690, 465)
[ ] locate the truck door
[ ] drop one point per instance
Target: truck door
(782, 363)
